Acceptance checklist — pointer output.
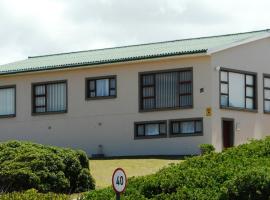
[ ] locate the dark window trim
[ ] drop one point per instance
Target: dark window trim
(151, 136)
(15, 100)
(265, 76)
(140, 91)
(255, 87)
(87, 96)
(171, 134)
(48, 83)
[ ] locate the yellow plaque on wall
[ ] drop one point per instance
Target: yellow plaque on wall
(209, 111)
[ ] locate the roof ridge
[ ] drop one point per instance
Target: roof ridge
(145, 44)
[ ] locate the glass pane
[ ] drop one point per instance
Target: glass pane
(40, 90)
(7, 101)
(92, 94)
(148, 103)
(249, 92)
(224, 100)
(185, 76)
(267, 94)
(140, 129)
(187, 127)
(224, 88)
(236, 90)
(92, 85)
(56, 97)
(40, 101)
(185, 101)
(162, 128)
(148, 79)
(102, 88)
(267, 106)
(148, 92)
(249, 103)
(112, 83)
(112, 92)
(175, 127)
(267, 82)
(198, 125)
(185, 88)
(249, 80)
(224, 76)
(151, 129)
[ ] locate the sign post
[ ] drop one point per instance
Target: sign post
(119, 182)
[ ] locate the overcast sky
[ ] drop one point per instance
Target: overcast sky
(36, 27)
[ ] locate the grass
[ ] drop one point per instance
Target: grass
(102, 169)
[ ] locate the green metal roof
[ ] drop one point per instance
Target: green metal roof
(128, 53)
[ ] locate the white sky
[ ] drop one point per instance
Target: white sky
(36, 27)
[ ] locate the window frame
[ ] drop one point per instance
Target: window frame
(171, 121)
(140, 89)
(150, 136)
(45, 84)
(255, 88)
(265, 88)
(15, 100)
(87, 88)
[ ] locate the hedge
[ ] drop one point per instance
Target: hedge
(242, 172)
(26, 165)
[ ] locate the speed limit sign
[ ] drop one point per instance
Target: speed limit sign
(119, 181)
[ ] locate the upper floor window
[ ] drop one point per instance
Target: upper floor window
(166, 89)
(266, 85)
(101, 87)
(50, 97)
(237, 89)
(7, 101)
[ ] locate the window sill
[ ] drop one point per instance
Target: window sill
(239, 109)
(150, 137)
(100, 98)
(185, 135)
(7, 116)
(164, 109)
(266, 112)
(49, 113)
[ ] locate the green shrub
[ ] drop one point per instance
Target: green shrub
(238, 173)
(26, 165)
(206, 148)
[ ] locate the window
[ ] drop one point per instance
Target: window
(50, 97)
(165, 90)
(266, 86)
(150, 129)
(186, 127)
(7, 101)
(237, 90)
(101, 87)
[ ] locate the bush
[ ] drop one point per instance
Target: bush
(26, 165)
(206, 148)
(238, 173)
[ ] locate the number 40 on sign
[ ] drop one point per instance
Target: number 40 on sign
(119, 181)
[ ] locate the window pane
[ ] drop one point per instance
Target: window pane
(249, 80)
(140, 130)
(92, 94)
(198, 125)
(40, 101)
(224, 88)
(148, 80)
(267, 82)
(7, 101)
(112, 83)
(267, 106)
(56, 97)
(166, 90)
(185, 76)
(249, 103)
(40, 90)
(224, 100)
(40, 110)
(236, 90)
(185, 101)
(151, 129)
(249, 92)
(148, 92)
(185, 88)
(112, 92)
(92, 85)
(267, 94)
(175, 127)
(187, 127)
(149, 103)
(162, 128)
(224, 76)
(102, 87)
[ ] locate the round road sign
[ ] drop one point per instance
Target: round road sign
(119, 180)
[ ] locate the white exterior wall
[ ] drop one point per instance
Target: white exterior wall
(253, 57)
(109, 122)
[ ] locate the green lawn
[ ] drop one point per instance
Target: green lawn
(102, 169)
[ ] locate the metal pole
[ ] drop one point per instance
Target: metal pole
(117, 196)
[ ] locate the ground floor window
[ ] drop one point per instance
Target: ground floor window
(185, 127)
(150, 129)
(7, 101)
